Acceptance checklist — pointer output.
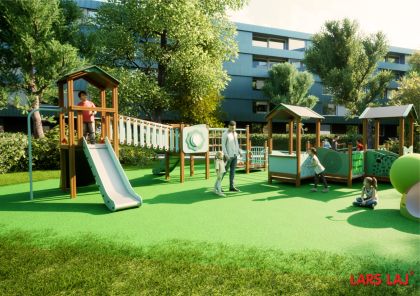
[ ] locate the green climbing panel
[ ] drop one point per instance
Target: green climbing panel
(379, 162)
(337, 163)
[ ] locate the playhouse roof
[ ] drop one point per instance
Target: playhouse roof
(284, 111)
(92, 74)
(389, 112)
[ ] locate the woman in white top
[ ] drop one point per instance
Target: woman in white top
(219, 165)
(318, 168)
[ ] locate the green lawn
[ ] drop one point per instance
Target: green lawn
(23, 177)
(267, 239)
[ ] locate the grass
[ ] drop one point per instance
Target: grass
(266, 240)
(91, 266)
(23, 177)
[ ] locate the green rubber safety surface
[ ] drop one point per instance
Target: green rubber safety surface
(277, 216)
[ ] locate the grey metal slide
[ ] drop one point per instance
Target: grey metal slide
(113, 183)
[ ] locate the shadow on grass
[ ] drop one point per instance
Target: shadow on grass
(385, 218)
(52, 200)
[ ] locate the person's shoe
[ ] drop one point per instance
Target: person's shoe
(372, 206)
(221, 194)
(325, 190)
(314, 190)
(234, 189)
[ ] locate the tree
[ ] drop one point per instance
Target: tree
(181, 44)
(346, 62)
(137, 93)
(31, 58)
(287, 85)
(408, 91)
(414, 61)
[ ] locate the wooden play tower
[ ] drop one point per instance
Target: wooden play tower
(71, 120)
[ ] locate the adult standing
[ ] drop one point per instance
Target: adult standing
(231, 150)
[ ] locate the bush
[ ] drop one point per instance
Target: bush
(136, 156)
(46, 151)
(13, 147)
(281, 141)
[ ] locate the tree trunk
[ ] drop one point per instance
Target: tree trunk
(161, 70)
(37, 122)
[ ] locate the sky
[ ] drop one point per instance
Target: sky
(399, 20)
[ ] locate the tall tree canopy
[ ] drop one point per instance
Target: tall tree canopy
(31, 56)
(346, 62)
(181, 44)
(287, 85)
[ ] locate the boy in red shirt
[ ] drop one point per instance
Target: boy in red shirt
(88, 117)
(359, 145)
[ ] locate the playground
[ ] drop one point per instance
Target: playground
(170, 209)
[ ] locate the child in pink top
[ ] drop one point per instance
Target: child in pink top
(88, 117)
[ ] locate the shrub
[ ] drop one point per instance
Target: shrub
(46, 151)
(130, 155)
(13, 147)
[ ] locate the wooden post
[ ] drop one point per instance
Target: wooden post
(318, 133)
(365, 133)
(181, 155)
(72, 152)
(270, 135)
(207, 157)
(115, 122)
(350, 173)
(248, 151)
(103, 115)
(411, 133)
(265, 155)
(377, 127)
(298, 149)
(191, 165)
(402, 132)
(291, 122)
(80, 131)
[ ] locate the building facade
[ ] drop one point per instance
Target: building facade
(262, 47)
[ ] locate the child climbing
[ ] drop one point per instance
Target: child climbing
(88, 117)
(220, 170)
(318, 168)
(369, 196)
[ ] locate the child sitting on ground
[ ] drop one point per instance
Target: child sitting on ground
(318, 168)
(220, 170)
(369, 196)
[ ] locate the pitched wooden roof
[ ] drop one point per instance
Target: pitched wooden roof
(284, 111)
(92, 74)
(389, 112)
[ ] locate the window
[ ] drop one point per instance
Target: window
(257, 83)
(276, 44)
(89, 12)
(260, 107)
(259, 63)
(268, 42)
(296, 44)
(392, 58)
(296, 63)
(329, 109)
(259, 42)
